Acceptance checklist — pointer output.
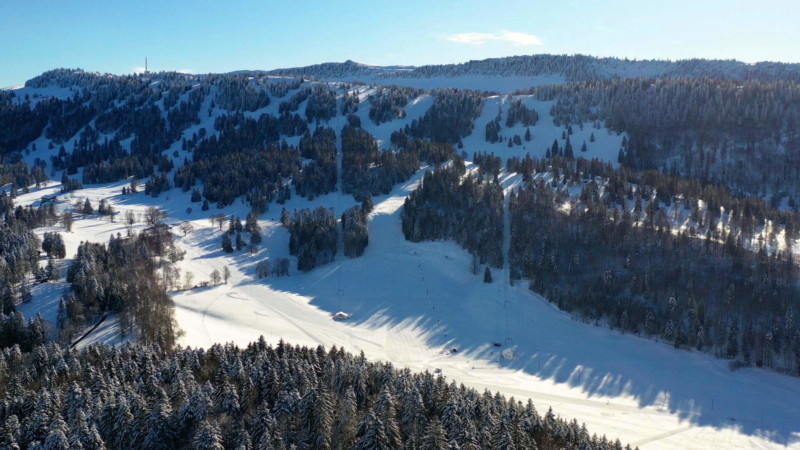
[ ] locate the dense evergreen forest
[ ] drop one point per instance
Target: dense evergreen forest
(466, 209)
(640, 251)
(450, 118)
(647, 260)
(314, 236)
(569, 67)
(388, 103)
(319, 176)
(256, 397)
(369, 171)
(744, 135)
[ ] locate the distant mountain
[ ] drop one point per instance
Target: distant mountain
(571, 67)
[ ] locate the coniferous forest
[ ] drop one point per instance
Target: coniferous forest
(256, 397)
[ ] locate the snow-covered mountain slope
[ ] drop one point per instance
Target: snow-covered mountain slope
(413, 303)
(518, 72)
(476, 82)
(605, 147)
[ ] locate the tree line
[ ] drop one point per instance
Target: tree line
(259, 396)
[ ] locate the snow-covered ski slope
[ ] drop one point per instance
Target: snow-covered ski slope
(412, 303)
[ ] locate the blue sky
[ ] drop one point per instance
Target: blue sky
(219, 36)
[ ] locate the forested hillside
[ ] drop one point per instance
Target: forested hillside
(706, 169)
(744, 135)
(570, 67)
(256, 397)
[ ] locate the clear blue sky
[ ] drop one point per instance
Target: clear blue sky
(219, 36)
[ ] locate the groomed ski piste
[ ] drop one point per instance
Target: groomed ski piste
(412, 304)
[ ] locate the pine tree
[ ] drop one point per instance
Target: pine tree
(67, 220)
(568, 150)
(159, 432)
(487, 275)
(367, 205)
(344, 433)
(434, 438)
(316, 413)
(527, 134)
(87, 208)
(9, 433)
(56, 440)
(251, 223)
(227, 243)
(732, 348)
(207, 437)
(386, 414)
(86, 435)
(371, 434)
(51, 272)
(25, 294)
(7, 298)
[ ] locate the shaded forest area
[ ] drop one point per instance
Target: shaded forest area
(466, 209)
(614, 254)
